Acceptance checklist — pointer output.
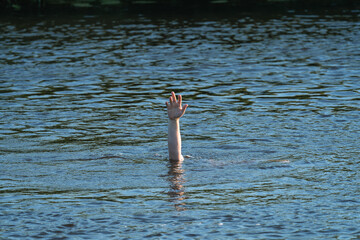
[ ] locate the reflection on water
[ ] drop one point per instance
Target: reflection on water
(273, 126)
(177, 189)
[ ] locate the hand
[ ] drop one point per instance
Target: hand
(174, 108)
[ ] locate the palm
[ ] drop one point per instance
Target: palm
(174, 108)
(175, 111)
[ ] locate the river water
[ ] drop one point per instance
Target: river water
(271, 131)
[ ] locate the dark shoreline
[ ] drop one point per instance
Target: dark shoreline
(159, 6)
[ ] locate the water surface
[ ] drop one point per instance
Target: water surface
(272, 127)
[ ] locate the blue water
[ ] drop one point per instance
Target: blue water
(271, 131)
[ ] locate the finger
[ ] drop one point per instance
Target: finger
(174, 96)
(171, 99)
(180, 100)
(167, 104)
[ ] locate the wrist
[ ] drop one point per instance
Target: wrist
(174, 120)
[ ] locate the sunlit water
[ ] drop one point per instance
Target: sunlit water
(272, 128)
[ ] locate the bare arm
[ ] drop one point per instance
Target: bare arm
(175, 112)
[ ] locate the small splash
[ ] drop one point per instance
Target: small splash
(279, 160)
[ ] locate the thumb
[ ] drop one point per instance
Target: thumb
(184, 108)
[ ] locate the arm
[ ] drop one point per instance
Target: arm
(175, 112)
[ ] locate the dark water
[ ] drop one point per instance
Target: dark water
(272, 128)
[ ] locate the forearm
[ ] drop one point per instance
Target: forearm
(174, 140)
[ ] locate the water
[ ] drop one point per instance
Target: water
(272, 127)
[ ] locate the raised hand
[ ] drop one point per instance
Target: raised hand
(174, 108)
